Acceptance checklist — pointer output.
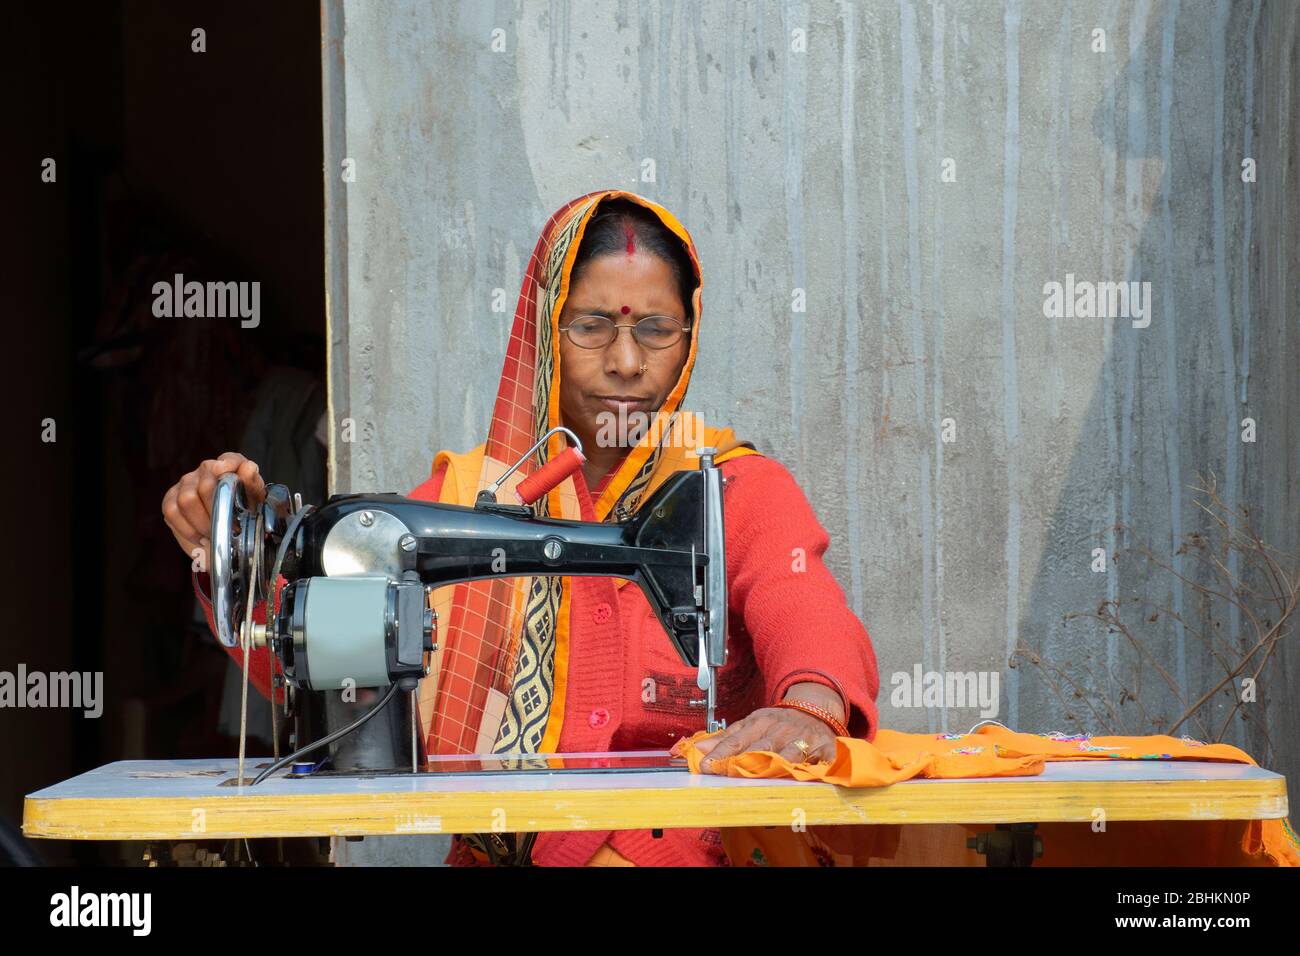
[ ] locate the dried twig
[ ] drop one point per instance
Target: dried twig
(1232, 570)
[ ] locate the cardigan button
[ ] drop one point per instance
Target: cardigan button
(599, 717)
(602, 613)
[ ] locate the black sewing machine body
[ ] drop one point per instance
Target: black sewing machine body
(355, 612)
(455, 543)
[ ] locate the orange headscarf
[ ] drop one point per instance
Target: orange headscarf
(503, 658)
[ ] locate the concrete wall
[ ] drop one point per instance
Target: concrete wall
(822, 170)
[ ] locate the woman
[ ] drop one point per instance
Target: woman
(607, 325)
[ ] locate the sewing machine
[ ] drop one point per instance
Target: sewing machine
(355, 611)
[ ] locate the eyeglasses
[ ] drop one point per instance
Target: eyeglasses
(597, 331)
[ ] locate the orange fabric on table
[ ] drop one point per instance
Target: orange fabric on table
(992, 751)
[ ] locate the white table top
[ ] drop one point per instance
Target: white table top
(159, 799)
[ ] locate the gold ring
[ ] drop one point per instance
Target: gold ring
(804, 748)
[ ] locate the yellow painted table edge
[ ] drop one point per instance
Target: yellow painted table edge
(955, 801)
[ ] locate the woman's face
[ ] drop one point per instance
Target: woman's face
(625, 288)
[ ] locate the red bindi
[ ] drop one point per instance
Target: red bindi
(631, 238)
(626, 310)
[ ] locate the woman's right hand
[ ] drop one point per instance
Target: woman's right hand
(187, 506)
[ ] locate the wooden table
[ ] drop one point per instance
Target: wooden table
(185, 800)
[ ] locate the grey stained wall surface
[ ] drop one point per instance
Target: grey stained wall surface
(915, 172)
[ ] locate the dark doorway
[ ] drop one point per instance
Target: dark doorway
(173, 152)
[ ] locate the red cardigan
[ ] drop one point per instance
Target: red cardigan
(787, 617)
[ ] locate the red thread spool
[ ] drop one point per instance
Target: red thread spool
(548, 476)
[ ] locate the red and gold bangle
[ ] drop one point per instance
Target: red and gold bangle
(825, 716)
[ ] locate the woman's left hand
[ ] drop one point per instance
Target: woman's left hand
(774, 729)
